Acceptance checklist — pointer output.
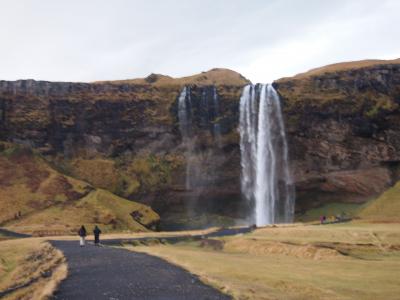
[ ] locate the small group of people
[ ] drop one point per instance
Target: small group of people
(82, 234)
(333, 219)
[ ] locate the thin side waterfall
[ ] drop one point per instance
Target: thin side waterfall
(183, 113)
(203, 113)
(216, 125)
(266, 180)
(205, 118)
(185, 127)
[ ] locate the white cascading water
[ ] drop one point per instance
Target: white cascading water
(266, 180)
(185, 127)
(183, 116)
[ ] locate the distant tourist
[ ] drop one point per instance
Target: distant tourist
(322, 219)
(82, 234)
(17, 215)
(96, 233)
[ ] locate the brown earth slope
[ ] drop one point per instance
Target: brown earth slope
(35, 198)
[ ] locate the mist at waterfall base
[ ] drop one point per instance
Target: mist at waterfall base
(265, 180)
(198, 115)
(195, 159)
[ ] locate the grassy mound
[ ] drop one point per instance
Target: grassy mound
(217, 76)
(331, 210)
(37, 199)
(386, 208)
(29, 184)
(98, 207)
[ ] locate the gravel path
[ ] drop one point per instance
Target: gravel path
(180, 238)
(112, 273)
(12, 234)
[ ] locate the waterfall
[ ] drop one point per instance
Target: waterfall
(204, 110)
(185, 127)
(265, 180)
(184, 113)
(217, 125)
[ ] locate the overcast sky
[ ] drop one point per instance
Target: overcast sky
(78, 40)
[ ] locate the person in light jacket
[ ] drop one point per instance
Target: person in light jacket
(82, 235)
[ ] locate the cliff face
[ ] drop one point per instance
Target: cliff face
(70, 118)
(344, 131)
(124, 136)
(106, 118)
(342, 122)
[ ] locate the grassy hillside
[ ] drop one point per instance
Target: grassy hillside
(126, 177)
(35, 198)
(330, 210)
(101, 207)
(386, 208)
(344, 261)
(23, 262)
(351, 65)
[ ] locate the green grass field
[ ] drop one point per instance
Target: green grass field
(385, 208)
(330, 210)
(340, 261)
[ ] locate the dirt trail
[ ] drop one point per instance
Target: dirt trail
(114, 273)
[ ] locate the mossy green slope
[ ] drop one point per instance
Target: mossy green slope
(99, 207)
(331, 210)
(386, 208)
(37, 199)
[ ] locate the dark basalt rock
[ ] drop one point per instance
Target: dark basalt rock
(342, 128)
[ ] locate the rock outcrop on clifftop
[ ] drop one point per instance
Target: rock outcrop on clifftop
(123, 136)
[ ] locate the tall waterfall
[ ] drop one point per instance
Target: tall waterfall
(184, 113)
(185, 127)
(266, 181)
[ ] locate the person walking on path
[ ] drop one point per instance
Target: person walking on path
(96, 233)
(82, 235)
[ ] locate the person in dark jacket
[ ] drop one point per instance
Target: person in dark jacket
(82, 234)
(96, 233)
